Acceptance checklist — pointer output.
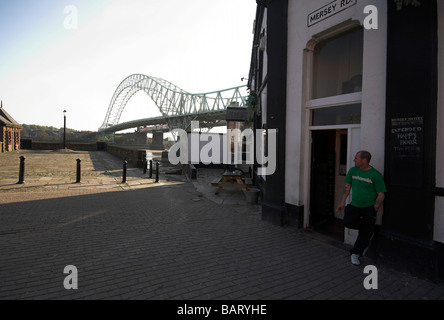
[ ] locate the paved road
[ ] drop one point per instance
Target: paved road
(171, 240)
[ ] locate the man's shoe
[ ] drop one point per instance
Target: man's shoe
(355, 259)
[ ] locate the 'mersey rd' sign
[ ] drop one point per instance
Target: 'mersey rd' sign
(329, 10)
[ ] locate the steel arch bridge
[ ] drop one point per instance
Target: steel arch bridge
(178, 107)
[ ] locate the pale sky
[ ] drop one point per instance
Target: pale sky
(45, 68)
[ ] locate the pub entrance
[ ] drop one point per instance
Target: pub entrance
(328, 170)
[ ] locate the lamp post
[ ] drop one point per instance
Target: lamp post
(64, 129)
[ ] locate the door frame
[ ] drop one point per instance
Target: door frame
(351, 132)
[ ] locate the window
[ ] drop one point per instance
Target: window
(8, 137)
(348, 114)
(336, 83)
(337, 65)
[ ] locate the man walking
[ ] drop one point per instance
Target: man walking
(368, 188)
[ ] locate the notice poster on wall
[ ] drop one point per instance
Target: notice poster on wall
(406, 151)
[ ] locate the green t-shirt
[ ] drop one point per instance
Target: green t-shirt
(365, 186)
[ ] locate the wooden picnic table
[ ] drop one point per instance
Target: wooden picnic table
(230, 179)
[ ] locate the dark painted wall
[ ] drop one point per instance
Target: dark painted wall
(411, 93)
(273, 200)
(406, 238)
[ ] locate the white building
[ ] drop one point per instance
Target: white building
(336, 77)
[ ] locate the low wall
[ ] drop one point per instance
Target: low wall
(27, 143)
(133, 156)
(77, 146)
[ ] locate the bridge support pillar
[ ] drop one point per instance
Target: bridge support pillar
(140, 138)
(157, 143)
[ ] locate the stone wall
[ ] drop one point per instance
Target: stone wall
(133, 156)
(77, 146)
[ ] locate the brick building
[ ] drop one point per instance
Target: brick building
(9, 132)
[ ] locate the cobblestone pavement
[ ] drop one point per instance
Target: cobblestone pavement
(169, 240)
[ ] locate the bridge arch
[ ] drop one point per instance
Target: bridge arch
(177, 106)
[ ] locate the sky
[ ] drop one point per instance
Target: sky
(47, 66)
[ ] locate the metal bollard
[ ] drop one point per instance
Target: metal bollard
(145, 165)
(79, 170)
(125, 165)
(151, 169)
(157, 171)
(22, 170)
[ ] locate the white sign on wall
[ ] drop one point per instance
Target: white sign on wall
(329, 10)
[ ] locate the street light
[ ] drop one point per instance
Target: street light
(64, 129)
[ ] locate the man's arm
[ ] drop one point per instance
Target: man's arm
(341, 205)
(379, 199)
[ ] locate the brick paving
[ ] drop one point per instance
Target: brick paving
(164, 241)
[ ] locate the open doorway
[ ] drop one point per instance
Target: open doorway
(328, 171)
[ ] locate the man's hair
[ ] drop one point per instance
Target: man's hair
(365, 155)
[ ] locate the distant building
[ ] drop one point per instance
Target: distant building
(331, 86)
(9, 132)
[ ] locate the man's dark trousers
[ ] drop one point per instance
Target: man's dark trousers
(366, 229)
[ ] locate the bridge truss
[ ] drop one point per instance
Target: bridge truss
(178, 107)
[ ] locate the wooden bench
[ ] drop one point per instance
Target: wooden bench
(216, 182)
(228, 180)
